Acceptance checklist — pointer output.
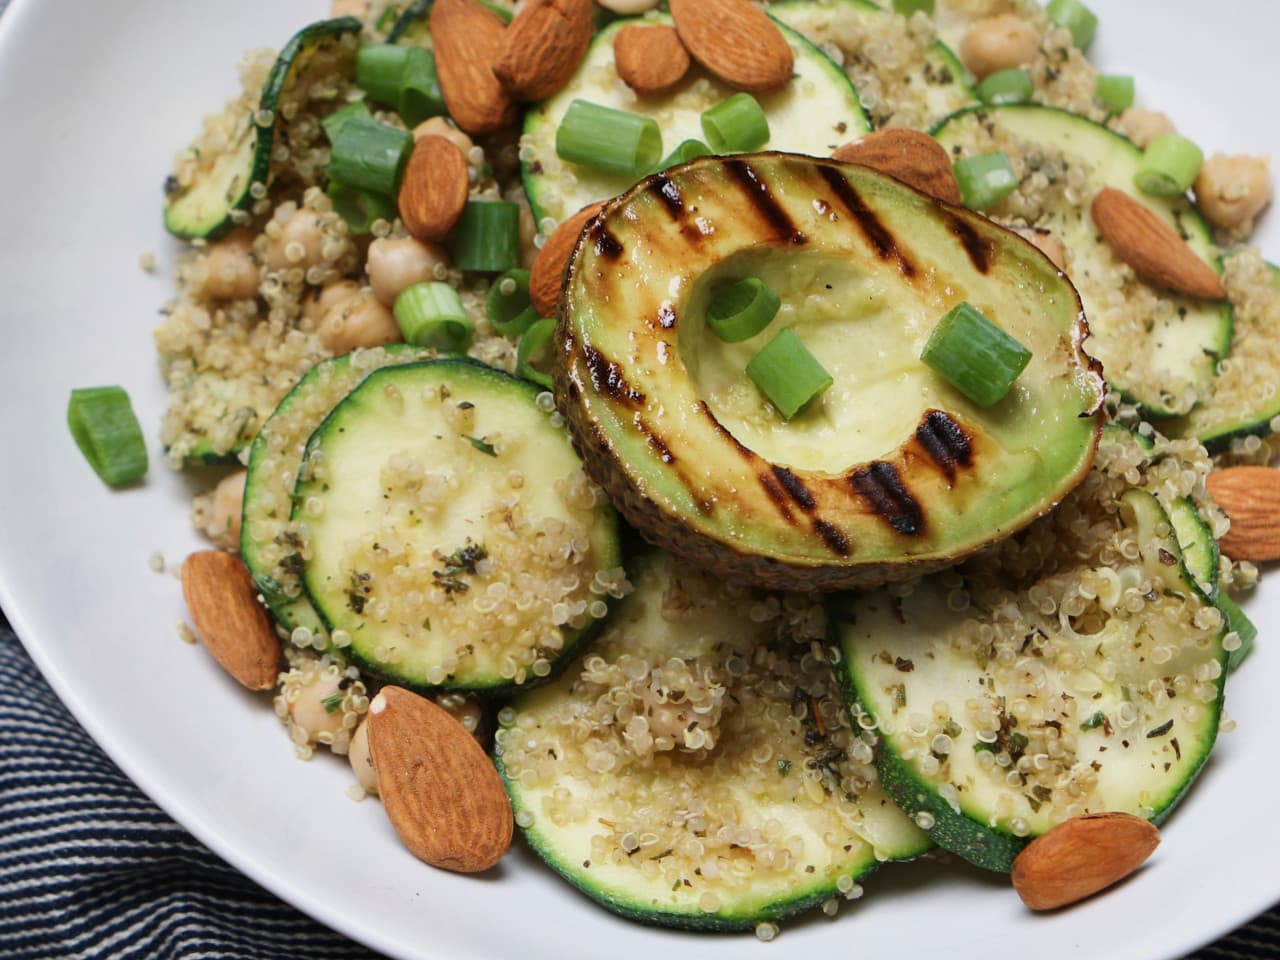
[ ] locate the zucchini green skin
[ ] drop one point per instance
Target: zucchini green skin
(791, 117)
(1185, 348)
(971, 827)
(359, 438)
(633, 632)
(204, 208)
(262, 525)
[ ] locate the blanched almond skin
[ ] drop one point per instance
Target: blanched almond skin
(911, 156)
(1250, 497)
(433, 192)
(223, 603)
(543, 47)
(736, 41)
(547, 275)
(466, 39)
(440, 790)
(1081, 856)
(1151, 247)
(650, 58)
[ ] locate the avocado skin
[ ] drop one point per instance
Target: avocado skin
(602, 394)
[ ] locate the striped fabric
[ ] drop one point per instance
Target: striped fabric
(90, 868)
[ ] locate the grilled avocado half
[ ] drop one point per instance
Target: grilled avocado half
(891, 472)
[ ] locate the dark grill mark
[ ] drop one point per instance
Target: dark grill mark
(724, 432)
(876, 233)
(945, 442)
(607, 377)
(606, 244)
(667, 316)
(659, 445)
(795, 487)
(669, 193)
(763, 200)
(880, 485)
(978, 248)
(778, 495)
(832, 537)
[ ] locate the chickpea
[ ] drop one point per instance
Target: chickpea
(360, 321)
(361, 760)
(999, 43)
(1048, 243)
(333, 293)
(300, 242)
(308, 708)
(232, 273)
(628, 8)
(440, 127)
(1232, 190)
(223, 526)
(397, 263)
(1142, 126)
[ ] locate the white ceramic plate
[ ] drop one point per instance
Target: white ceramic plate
(95, 99)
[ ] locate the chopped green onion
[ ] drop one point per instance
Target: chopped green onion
(985, 179)
(487, 237)
(788, 374)
(740, 311)
(535, 348)
(105, 429)
(1169, 166)
(1238, 623)
(369, 156)
(1006, 86)
(1115, 91)
(608, 139)
(360, 208)
(974, 355)
(431, 314)
(688, 150)
(359, 110)
(508, 306)
(1076, 17)
(379, 67)
(386, 18)
(908, 7)
(419, 96)
(736, 125)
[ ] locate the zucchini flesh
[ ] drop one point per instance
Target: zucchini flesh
(271, 544)
(718, 709)
(453, 537)
(558, 189)
(999, 721)
(215, 180)
(1159, 349)
(917, 94)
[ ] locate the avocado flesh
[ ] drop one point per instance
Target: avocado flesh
(891, 472)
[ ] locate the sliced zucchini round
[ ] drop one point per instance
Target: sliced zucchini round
(557, 189)
(271, 544)
(1094, 684)
(453, 538)
(200, 204)
(1159, 349)
(891, 471)
(918, 93)
(748, 795)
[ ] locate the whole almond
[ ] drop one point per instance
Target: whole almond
(223, 601)
(1081, 856)
(543, 47)
(911, 156)
(650, 58)
(466, 38)
(1151, 247)
(736, 41)
(433, 192)
(1250, 497)
(547, 274)
(440, 790)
